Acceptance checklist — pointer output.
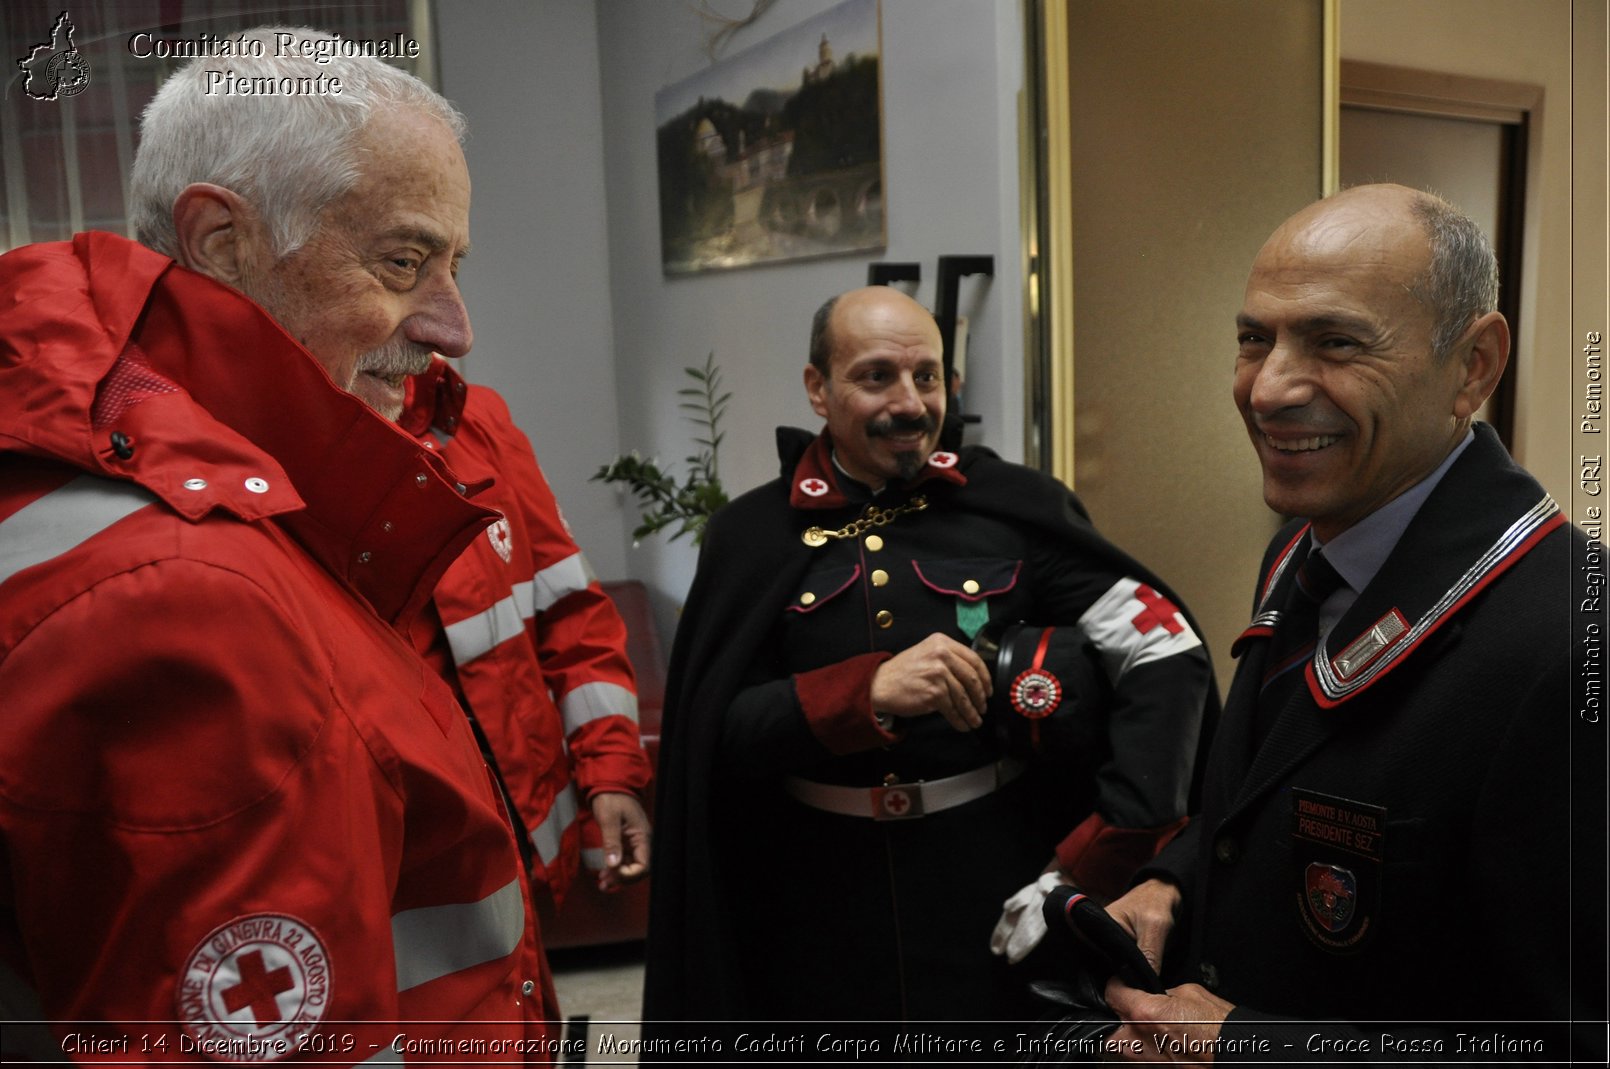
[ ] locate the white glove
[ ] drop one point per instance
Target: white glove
(1022, 926)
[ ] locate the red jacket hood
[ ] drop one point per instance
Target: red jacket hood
(241, 419)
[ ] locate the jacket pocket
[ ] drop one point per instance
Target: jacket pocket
(972, 579)
(821, 587)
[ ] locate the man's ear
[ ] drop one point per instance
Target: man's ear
(217, 230)
(1483, 357)
(816, 389)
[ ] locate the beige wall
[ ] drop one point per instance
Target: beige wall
(1521, 41)
(1196, 130)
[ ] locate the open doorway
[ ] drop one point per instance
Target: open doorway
(1463, 138)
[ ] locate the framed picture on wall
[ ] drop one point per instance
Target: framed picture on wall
(776, 153)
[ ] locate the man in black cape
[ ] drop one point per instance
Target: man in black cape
(843, 806)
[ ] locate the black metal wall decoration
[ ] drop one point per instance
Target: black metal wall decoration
(952, 269)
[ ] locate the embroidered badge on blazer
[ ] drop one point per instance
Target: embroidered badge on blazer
(1337, 851)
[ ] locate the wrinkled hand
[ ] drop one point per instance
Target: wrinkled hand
(625, 830)
(1147, 912)
(1022, 925)
(1179, 1027)
(939, 675)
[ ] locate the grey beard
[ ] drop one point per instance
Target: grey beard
(397, 358)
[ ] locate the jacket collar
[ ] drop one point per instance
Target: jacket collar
(1482, 518)
(817, 483)
(256, 428)
(435, 402)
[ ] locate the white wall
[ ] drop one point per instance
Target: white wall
(951, 72)
(1520, 41)
(525, 73)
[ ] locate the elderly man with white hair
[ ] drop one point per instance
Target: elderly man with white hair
(238, 816)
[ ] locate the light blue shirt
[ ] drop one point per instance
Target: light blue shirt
(1358, 552)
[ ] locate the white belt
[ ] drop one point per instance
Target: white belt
(905, 801)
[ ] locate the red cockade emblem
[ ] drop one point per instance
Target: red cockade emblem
(1158, 611)
(1036, 693)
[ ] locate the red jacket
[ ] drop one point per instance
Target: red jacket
(237, 810)
(535, 646)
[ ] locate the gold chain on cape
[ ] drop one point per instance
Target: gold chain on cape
(872, 517)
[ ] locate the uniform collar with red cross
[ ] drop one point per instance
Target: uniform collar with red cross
(819, 484)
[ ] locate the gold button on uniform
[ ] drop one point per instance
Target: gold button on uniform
(885, 618)
(880, 577)
(970, 587)
(807, 598)
(874, 542)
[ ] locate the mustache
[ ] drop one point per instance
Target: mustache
(881, 428)
(397, 358)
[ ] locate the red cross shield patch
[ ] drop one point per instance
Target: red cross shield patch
(253, 987)
(502, 539)
(813, 487)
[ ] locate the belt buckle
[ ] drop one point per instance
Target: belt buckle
(897, 801)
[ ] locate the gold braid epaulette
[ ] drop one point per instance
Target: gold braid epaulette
(872, 517)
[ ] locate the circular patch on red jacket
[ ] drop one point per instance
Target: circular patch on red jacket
(942, 459)
(253, 988)
(813, 487)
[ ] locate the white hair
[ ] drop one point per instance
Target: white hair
(288, 154)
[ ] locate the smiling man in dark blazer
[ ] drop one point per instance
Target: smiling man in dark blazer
(1403, 821)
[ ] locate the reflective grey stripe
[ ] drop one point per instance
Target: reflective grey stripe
(483, 632)
(433, 941)
(593, 859)
(566, 577)
(545, 838)
(525, 596)
(475, 635)
(65, 517)
(594, 701)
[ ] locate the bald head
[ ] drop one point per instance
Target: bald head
(1362, 355)
(1453, 272)
(876, 377)
(854, 305)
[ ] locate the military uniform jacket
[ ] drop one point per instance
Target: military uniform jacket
(772, 665)
(1404, 844)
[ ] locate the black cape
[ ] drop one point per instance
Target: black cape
(709, 844)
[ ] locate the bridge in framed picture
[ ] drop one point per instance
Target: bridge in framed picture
(776, 153)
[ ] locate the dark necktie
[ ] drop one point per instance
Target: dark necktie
(1292, 644)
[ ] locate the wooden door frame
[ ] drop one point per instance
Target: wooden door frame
(1515, 107)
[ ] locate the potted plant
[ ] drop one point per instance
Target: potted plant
(664, 502)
